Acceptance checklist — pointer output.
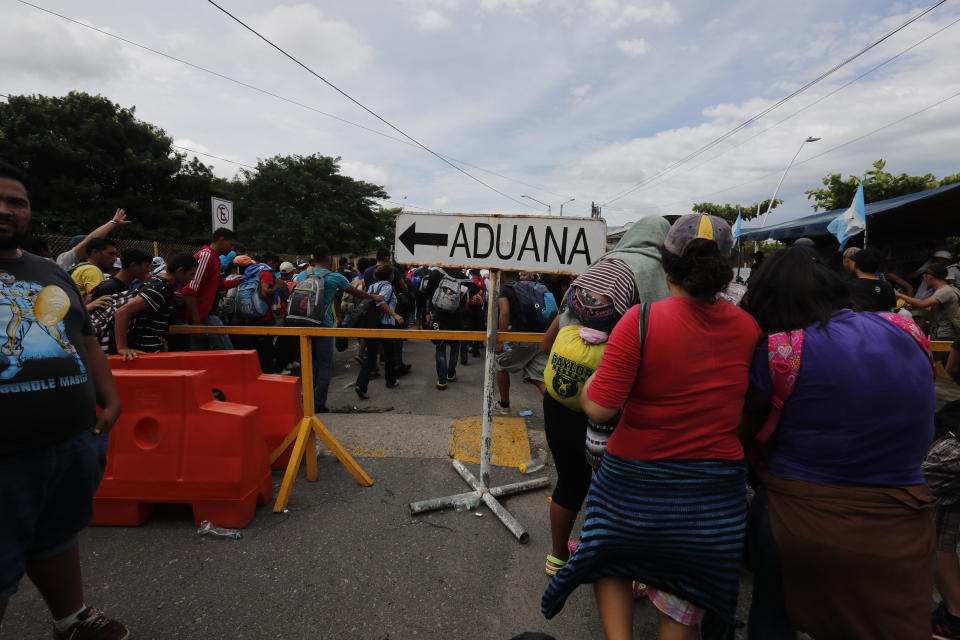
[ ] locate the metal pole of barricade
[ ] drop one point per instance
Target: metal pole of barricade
(482, 491)
(304, 435)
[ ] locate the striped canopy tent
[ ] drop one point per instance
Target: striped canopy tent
(930, 213)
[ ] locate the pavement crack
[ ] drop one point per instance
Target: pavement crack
(437, 526)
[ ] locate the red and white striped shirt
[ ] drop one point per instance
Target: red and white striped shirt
(207, 282)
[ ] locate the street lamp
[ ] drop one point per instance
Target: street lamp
(549, 208)
(563, 203)
(775, 191)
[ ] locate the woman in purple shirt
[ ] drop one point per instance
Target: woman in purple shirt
(841, 533)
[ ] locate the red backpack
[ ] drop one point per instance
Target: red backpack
(477, 299)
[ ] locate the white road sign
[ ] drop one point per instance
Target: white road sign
(513, 243)
(222, 213)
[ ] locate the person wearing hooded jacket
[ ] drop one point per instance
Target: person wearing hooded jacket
(631, 273)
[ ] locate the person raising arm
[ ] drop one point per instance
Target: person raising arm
(77, 251)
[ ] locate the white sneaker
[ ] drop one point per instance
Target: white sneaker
(500, 410)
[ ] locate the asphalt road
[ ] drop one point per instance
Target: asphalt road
(345, 561)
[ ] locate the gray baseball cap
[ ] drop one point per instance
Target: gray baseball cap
(698, 226)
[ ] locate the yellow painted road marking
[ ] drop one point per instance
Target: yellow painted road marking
(510, 443)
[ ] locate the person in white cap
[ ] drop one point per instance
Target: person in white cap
(159, 266)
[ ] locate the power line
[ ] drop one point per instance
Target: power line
(367, 109)
(879, 129)
(812, 104)
(820, 155)
(412, 206)
(271, 94)
(250, 166)
(210, 155)
(775, 105)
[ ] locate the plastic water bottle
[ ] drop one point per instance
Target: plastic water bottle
(538, 462)
(208, 529)
(468, 504)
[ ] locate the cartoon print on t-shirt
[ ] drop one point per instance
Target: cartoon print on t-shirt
(31, 317)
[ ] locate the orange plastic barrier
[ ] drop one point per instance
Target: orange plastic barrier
(174, 443)
(237, 376)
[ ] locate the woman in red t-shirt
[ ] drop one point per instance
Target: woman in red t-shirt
(668, 506)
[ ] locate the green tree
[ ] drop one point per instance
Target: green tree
(729, 211)
(292, 203)
(87, 156)
(878, 184)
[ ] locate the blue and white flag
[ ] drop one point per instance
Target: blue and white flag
(738, 226)
(850, 222)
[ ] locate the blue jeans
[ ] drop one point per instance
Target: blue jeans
(217, 342)
(447, 368)
(322, 348)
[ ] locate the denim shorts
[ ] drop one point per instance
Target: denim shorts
(46, 499)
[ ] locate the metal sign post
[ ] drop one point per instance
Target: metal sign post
(482, 491)
(497, 242)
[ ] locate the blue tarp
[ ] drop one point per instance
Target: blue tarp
(816, 225)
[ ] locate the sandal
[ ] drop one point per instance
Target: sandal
(553, 565)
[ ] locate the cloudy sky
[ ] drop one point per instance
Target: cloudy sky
(554, 99)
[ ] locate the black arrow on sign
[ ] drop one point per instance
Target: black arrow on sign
(410, 238)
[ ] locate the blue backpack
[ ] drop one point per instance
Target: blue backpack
(538, 307)
(250, 304)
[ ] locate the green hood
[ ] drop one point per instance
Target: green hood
(639, 248)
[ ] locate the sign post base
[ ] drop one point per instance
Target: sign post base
(481, 487)
(472, 499)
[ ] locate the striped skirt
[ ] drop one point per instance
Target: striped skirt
(676, 525)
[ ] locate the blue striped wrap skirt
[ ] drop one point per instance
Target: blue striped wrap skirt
(676, 525)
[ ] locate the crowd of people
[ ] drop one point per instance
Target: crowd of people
(817, 392)
(787, 427)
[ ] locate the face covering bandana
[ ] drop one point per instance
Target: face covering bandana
(591, 312)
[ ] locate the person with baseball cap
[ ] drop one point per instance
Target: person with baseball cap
(941, 305)
(674, 467)
(940, 256)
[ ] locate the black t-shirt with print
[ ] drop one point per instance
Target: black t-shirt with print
(46, 391)
(872, 295)
(149, 326)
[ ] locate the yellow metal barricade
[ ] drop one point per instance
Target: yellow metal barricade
(303, 435)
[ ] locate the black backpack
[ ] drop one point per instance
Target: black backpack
(365, 315)
(537, 305)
